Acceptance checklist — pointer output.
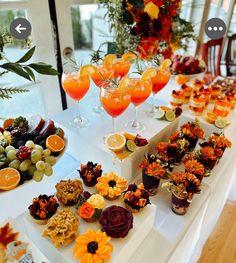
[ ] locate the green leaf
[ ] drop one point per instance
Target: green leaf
(44, 69)
(17, 69)
(27, 56)
(30, 72)
(97, 214)
(136, 3)
(6, 93)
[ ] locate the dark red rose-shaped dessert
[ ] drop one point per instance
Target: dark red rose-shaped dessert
(116, 221)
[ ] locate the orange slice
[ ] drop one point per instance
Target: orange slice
(181, 79)
(9, 179)
(165, 64)
(109, 59)
(129, 136)
(115, 142)
(210, 117)
(129, 56)
(87, 70)
(55, 143)
(7, 123)
(149, 73)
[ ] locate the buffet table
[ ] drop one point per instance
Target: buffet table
(172, 238)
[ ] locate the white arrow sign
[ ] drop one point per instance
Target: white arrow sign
(19, 28)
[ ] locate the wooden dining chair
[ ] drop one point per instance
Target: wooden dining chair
(211, 54)
(230, 58)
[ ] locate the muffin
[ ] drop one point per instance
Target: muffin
(91, 207)
(43, 208)
(68, 191)
(116, 221)
(90, 172)
(111, 185)
(136, 197)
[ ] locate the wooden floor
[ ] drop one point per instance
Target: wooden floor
(221, 245)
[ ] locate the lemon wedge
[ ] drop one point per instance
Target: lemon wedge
(109, 59)
(149, 74)
(129, 56)
(124, 83)
(87, 70)
(165, 64)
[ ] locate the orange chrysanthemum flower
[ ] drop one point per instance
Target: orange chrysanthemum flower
(174, 136)
(208, 153)
(219, 141)
(92, 247)
(178, 177)
(193, 166)
(155, 169)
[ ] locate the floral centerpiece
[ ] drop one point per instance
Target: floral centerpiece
(183, 186)
(90, 206)
(208, 156)
(153, 169)
(195, 167)
(152, 27)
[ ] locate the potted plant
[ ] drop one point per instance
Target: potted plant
(153, 169)
(182, 186)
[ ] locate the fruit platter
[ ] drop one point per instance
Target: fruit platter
(28, 150)
(187, 65)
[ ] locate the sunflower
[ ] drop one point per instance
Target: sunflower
(92, 247)
(111, 185)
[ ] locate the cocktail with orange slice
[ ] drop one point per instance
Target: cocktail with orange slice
(76, 85)
(139, 90)
(115, 100)
(160, 77)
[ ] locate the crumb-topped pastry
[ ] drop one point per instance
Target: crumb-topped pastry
(136, 197)
(68, 191)
(90, 172)
(62, 228)
(42, 208)
(111, 185)
(116, 221)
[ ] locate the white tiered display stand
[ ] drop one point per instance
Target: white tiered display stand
(158, 234)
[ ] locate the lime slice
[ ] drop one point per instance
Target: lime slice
(160, 115)
(220, 123)
(131, 146)
(170, 115)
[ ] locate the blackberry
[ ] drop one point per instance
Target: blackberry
(21, 143)
(14, 142)
(38, 139)
(17, 132)
(43, 144)
(10, 128)
(25, 136)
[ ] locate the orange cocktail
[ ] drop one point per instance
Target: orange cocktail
(76, 85)
(121, 68)
(160, 80)
(101, 75)
(139, 91)
(115, 101)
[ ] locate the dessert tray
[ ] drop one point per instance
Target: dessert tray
(123, 248)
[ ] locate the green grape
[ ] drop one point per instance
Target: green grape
(51, 160)
(36, 156)
(32, 169)
(24, 166)
(48, 169)
(11, 155)
(8, 148)
(2, 149)
(40, 165)
(46, 152)
(30, 144)
(38, 147)
(38, 176)
(14, 164)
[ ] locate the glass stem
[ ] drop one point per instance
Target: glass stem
(113, 125)
(153, 102)
(135, 122)
(78, 115)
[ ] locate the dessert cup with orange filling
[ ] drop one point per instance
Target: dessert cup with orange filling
(222, 106)
(197, 103)
(177, 98)
(197, 83)
(231, 96)
(187, 90)
(215, 92)
(206, 91)
(111, 185)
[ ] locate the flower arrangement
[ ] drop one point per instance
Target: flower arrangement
(93, 247)
(195, 167)
(219, 141)
(111, 185)
(136, 197)
(208, 156)
(90, 206)
(151, 27)
(183, 184)
(90, 172)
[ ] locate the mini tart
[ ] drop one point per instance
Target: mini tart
(111, 185)
(136, 197)
(68, 191)
(90, 172)
(42, 208)
(177, 98)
